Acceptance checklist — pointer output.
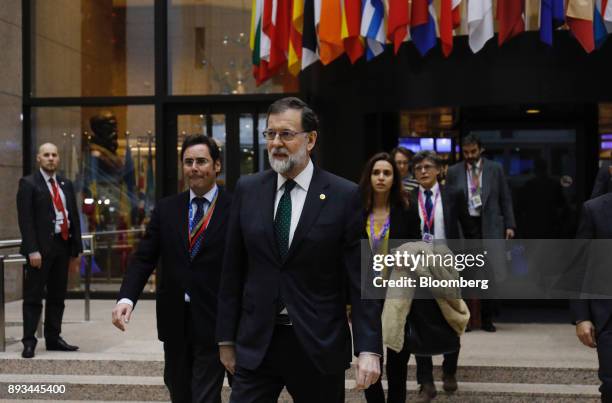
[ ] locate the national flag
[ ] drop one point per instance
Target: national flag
(351, 27)
(294, 59)
(480, 23)
(552, 15)
(330, 31)
(276, 24)
(600, 31)
(510, 18)
(423, 26)
(373, 27)
(399, 20)
(260, 44)
(450, 18)
(310, 52)
(606, 12)
(580, 21)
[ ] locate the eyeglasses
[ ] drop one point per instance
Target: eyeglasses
(419, 168)
(198, 161)
(284, 135)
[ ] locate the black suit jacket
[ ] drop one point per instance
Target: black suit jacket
(596, 223)
(166, 242)
(324, 252)
(36, 215)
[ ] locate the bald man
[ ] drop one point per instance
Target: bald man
(51, 237)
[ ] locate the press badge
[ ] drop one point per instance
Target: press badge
(427, 237)
(476, 201)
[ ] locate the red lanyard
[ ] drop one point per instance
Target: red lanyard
(429, 220)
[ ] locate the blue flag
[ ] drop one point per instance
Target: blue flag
(551, 17)
(424, 35)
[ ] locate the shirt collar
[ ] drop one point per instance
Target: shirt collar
(434, 189)
(478, 163)
(302, 180)
(208, 195)
(46, 176)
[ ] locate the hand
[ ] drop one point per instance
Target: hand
(35, 260)
(227, 355)
(121, 316)
(586, 333)
(509, 233)
(74, 263)
(367, 371)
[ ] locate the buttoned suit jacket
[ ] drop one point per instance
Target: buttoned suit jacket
(324, 256)
(165, 247)
(36, 215)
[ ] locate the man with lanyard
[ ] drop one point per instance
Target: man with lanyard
(488, 202)
(438, 222)
(187, 235)
(51, 241)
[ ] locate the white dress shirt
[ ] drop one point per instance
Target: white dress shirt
(59, 217)
(209, 196)
(474, 212)
(438, 211)
(298, 195)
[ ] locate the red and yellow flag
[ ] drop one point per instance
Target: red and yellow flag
(294, 62)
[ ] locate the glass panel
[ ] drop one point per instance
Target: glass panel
(92, 48)
(263, 152)
(218, 133)
(208, 42)
(196, 124)
(109, 154)
(540, 167)
(247, 151)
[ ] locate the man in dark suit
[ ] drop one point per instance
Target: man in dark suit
(592, 317)
(488, 202)
(439, 221)
(293, 246)
(51, 237)
(187, 232)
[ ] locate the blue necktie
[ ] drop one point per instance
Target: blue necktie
(197, 245)
(428, 209)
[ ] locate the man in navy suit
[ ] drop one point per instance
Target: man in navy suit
(293, 254)
(186, 235)
(592, 317)
(51, 237)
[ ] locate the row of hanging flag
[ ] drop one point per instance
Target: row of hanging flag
(297, 33)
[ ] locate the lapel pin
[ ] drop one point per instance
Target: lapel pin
(322, 196)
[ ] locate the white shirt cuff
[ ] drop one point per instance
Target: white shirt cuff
(126, 301)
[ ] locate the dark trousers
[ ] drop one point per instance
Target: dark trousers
(397, 374)
(472, 228)
(286, 364)
(604, 354)
(192, 371)
(49, 282)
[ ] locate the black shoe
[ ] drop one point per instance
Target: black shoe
(489, 327)
(28, 351)
(449, 383)
(426, 393)
(60, 345)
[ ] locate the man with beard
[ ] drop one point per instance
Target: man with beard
(488, 203)
(292, 254)
(186, 235)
